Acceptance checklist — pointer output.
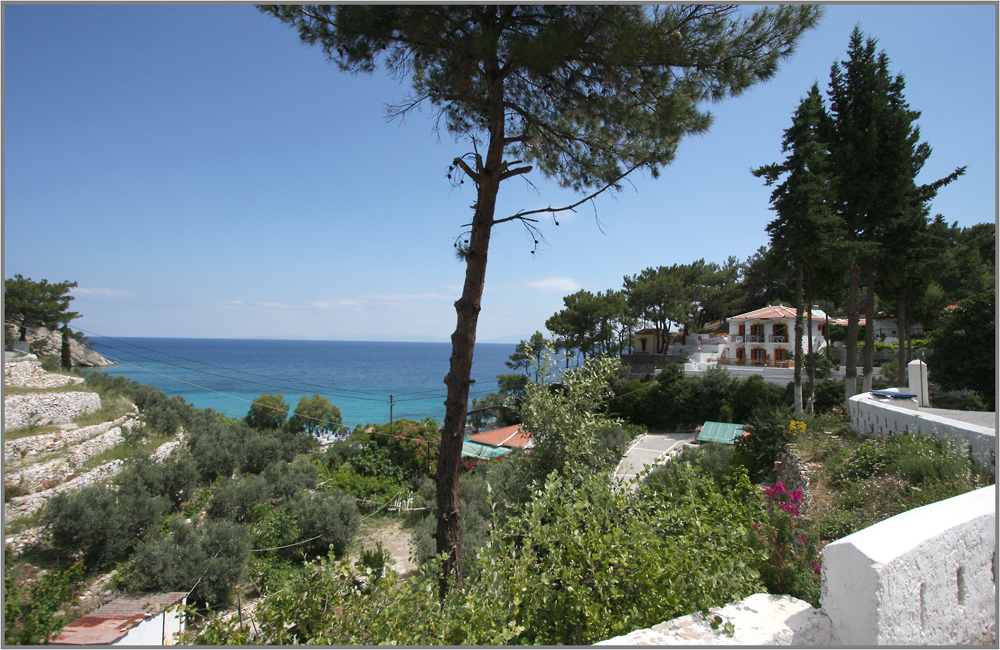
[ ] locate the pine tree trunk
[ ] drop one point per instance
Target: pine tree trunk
(811, 356)
(851, 348)
(902, 339)
(463, 342)
(798, 341)
(866, 384)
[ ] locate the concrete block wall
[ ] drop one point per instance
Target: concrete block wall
(923, 577)
(874, 417)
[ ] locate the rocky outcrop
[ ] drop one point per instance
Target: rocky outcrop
(47, 408)
(80, 354)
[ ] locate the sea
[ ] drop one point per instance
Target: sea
(371, 382)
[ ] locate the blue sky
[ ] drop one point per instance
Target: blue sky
(201, 173)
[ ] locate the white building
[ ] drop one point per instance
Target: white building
(133, 620)
(766, 337)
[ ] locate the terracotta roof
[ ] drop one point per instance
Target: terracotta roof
(779, 311)
(514, 436)
(113, 621)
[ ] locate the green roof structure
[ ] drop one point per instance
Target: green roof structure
(476, 449)
(723, 432)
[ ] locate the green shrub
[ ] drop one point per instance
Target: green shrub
(234, 499)
(767, 434)
(829, 395)
(34, 606)
(328, 521)
(579, 564)
(211, 560)
(102, 525)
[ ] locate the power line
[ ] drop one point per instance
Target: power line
(212, 390)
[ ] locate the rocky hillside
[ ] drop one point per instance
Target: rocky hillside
(54, 437)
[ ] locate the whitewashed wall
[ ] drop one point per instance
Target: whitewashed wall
(870, 416)
(923, 577)
(158, 630)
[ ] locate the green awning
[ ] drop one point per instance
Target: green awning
(723, 432)
(476, 449)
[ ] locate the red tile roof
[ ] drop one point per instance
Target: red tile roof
(779, 311)
(113, 621)
(514, 436)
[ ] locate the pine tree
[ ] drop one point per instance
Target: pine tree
(587, 94)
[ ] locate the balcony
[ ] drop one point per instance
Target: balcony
(778, 338)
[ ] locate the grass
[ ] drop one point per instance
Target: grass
(24, 523)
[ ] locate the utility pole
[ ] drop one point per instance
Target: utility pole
(390, 415)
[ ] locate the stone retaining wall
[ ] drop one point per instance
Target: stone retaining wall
(23, 449)
(793, 472)
(28, 373)
(25, 505)
(47, 408)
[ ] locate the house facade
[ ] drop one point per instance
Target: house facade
(766, 337)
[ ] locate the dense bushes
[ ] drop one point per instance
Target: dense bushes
(580, 563)
(673, 402)
(233, 483)
(210, 559)
(103, 525)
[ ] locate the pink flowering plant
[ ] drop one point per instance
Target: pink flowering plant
(791, 564)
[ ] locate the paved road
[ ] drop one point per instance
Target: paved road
(986, 419)
(647, 450)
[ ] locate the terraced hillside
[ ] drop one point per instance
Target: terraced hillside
(58, 436)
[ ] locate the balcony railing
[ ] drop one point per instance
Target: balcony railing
(754, 338)
(778, 338)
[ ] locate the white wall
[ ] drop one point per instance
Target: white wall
(157, 630)
(870, 416)
(926, 576)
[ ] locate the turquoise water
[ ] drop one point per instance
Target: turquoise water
(358, 377)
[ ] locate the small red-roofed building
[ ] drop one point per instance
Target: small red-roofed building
(512, 437)
(131, 620)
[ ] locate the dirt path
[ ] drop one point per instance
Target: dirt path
(396, 539)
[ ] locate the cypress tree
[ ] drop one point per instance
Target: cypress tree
(875, 156)
(805, 231)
